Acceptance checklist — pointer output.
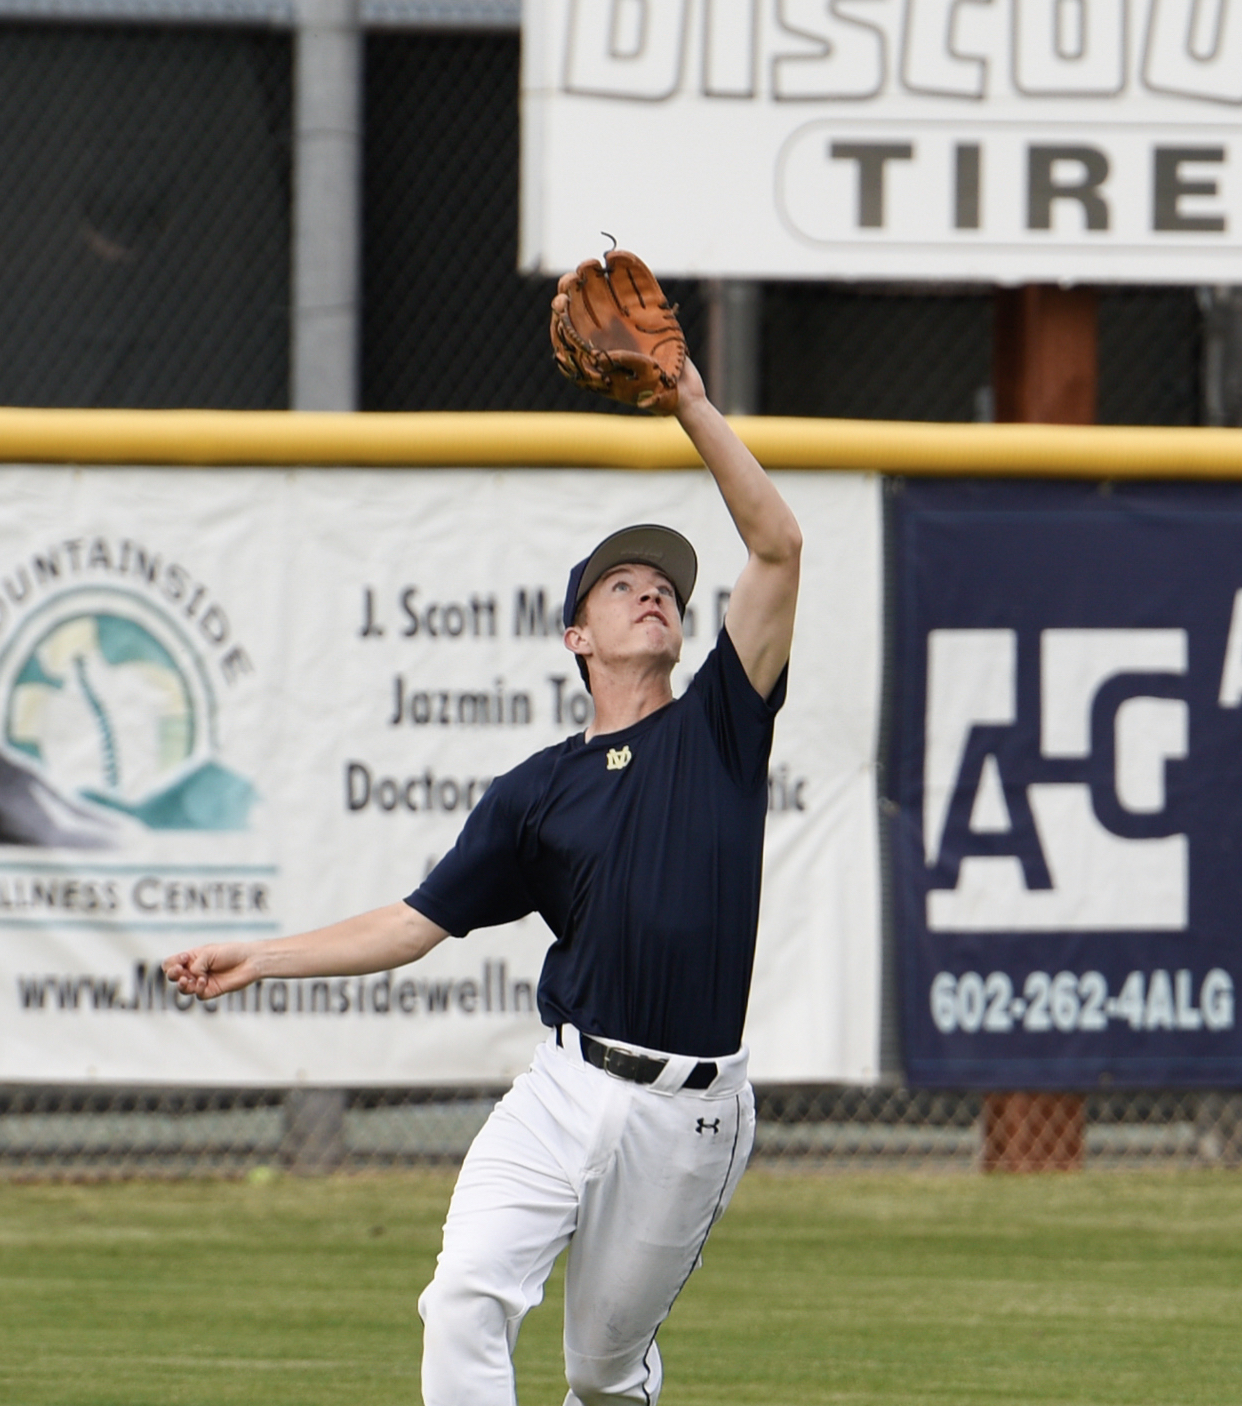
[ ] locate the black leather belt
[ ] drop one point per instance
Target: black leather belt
(639, 1068)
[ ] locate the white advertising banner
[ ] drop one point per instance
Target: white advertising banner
(241, 703)
(1009, 140)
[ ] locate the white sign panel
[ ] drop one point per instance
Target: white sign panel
(236, 703)
(1010, 140)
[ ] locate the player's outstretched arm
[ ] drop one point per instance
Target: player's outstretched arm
(761, 608)
(376, 941)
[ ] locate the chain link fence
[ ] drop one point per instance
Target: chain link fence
(448, 323)
(145, 249)
(108, 1133)
(145, 262)
(144, 244)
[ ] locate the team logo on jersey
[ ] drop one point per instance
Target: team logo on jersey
(619, 758)
(108, 719)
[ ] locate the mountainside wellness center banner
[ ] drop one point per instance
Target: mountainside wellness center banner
(240, 703)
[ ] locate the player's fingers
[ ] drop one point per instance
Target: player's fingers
(191, 971)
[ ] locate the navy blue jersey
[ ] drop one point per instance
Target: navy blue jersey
(642, 851)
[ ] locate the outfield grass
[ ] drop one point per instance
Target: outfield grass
(1106, 1290)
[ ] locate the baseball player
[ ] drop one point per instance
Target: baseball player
(640, 842)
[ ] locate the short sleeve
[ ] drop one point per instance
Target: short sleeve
(479, 882)
(739, 718)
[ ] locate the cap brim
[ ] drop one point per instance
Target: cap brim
(650, 544)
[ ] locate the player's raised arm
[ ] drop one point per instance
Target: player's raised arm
(761, 610)
(376, 941)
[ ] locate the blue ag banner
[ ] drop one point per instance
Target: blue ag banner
(1067, 783)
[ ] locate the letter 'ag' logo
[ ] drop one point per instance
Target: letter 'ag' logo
(1036, 855)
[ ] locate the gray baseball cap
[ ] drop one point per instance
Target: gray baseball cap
(648, 543)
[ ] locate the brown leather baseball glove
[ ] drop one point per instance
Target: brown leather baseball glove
(614, 332)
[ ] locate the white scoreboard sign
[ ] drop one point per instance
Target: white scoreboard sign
(1011, 140)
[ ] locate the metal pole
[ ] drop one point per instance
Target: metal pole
(733, 312)
(1222, 355)
(327, 199)
(314, 1139)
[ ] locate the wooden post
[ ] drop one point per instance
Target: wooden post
(1028, 1132)
(1044, 355)
(1044, 370)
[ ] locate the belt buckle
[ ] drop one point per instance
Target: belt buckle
(618, 1063)
(624, 1064)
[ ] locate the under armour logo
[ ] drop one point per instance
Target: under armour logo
(703, 1125)
(618, 758)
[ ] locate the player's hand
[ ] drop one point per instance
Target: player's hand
(207, 972)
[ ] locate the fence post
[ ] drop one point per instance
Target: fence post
(314, 1137)
(732, 367)
(327, 198)
(1222, 355)
(1044, 370)
(1218, 1128)
(1045, 360)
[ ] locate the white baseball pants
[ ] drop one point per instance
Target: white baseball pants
(630, 1177)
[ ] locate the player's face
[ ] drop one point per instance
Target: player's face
(632, 612)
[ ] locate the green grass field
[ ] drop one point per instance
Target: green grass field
(1100, 1289)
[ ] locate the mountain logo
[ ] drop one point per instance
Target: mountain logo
(108, 722)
